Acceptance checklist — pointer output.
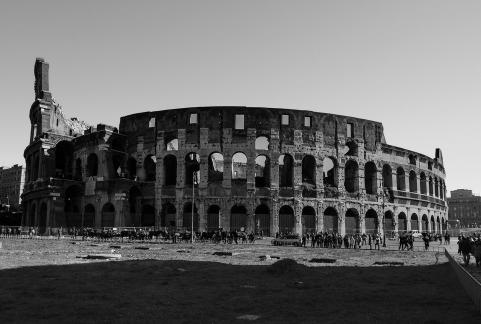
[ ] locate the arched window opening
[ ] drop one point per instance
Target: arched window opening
(308, 220)
(329, 171)
(286, 221)
(262, 220)
(412, 159)
(64, 160)
(238, 218)
(330, 219)
(213, 218)
(147, 216)
(309, 172)
(370, 178)
(351, 181)
(430, 186)
(436, 189)
(262, 172)
(413, 181)
(424, 224)
(117, 163)
(422, 183)
(371, 222)
(192, 169)
(132, 168)
(150, 168)
(239, 166)
(262, 143)
(352, 221)
(92, 165)
(387, 176)
(352, 148)
(108, 215)
(389, 223)
(170, 170)
(414, 222)
(286, 168)
(401, 179)
(168, 216)
(89, 216)
(216, 168)
(172, 145)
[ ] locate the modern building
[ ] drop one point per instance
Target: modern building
(11, 186)
(257, 169)
(465, 207)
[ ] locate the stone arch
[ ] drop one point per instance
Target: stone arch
(309, 171)
(402, 222)
(433, 225)
(370, 178)
(389, 227)
(238, 218)
(352, 148)
(168, 215)
(401, 179)
(422, 183)
(287, 220)
(308, 220)
(286, 170)
(148, 215)
(239, 166)
(216, 167)
(424, 223)
(436, 189)
(132, 168)
(108, 215)
(170, 170)
(92, 165)
(192, 169)
(329, 170)
(430, 185)
(262, 171)
(413, 181)
(89, 216)
(64, 160)
(150, 167)
(172, 145)
(187, 217)
(352, 221)
(414, 222)
(213, 214)
(331, 220)
(371, 222)
(351, 179)
(263, 220)
(438, 225)
(387, 176)
(262, 143)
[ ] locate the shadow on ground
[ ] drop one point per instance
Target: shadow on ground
(209, 292)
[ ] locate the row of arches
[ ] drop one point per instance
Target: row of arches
(239, 220)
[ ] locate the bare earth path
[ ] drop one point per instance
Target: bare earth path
(44, 281)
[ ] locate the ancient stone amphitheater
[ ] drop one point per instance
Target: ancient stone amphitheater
(241, 168)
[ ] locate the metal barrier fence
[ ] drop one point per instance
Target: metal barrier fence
(471, 285)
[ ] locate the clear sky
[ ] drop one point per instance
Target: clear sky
(415, 66)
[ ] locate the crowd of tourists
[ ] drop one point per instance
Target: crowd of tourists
(470, 244)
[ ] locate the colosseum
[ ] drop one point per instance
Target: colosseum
(236, 168)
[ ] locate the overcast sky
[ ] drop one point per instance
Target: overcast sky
(415, 66)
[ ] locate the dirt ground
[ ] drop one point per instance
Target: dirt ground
(46, 281)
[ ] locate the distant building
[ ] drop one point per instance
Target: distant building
(466, 207)
(11, 186)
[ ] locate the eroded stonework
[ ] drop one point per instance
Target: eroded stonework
(256, 169)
